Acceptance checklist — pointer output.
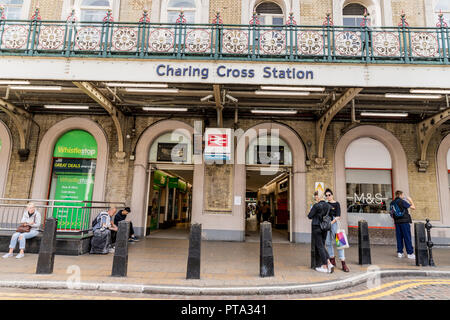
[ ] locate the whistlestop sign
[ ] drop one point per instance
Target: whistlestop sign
(218, 144)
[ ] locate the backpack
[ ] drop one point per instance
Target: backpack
(101, 241)
(395, 210)
(97, 219)
(325, 223)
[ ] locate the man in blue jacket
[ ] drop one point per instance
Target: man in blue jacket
(402, 224)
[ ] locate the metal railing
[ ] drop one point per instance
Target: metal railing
(73, 216)
(430, 244)
(217, 41)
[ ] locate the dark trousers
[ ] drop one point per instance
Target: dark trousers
(114, 233)
(319, 241)
(403, 234)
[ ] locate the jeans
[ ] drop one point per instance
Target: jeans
(331, 235)
(27, 235)
(403, 234)
(319, 241)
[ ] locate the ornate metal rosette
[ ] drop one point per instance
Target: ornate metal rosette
(386, 44)
(161, 40)
(424, 44)
(348, 43)
(272, 42)
(197, 40)
(235, 41)
(124, 39)
(309, 43)
(88, 39)
(15, 37)
(51, 38)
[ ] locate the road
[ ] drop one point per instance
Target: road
(387, 289)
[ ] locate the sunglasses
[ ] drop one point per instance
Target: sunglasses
(328, 195)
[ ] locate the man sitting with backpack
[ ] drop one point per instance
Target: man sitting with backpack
(402, 219)
(102, 226)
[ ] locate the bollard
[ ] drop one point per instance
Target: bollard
(195, 242)
(47, 249)
(363, 243)
(428, 226)
(266, 268)
(120, 261)
(420, 246)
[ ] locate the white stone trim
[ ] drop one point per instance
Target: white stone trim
(248, 6)
(380, 11)
(5, 156)
(443, 183)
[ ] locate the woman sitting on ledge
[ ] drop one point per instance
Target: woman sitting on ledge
(31, 220)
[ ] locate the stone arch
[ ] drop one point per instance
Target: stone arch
(141, 176)
(398, 156)
(379, 10)
(300, 223)
(5, 156)
(44, 158)
(442, 180)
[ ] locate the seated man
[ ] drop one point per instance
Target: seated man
(102, 226)
(120, 216)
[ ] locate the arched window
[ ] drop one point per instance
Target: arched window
(175, 6)
(269, 13)
(368, 175)
(270, 150)
(94, 10)
(353, 15)
(444, 7)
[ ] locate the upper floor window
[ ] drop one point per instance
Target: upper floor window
(353, 15)
(269, 13)
(13, 9)
(189, 8)
(94, 10)
(444, 7)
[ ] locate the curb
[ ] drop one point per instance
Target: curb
(318, 287)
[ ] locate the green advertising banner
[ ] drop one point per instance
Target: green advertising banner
(73, 175)
(173, 182)
(182, 186)
(159, 178)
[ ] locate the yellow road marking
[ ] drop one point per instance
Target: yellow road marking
(367, 291)
(40, 296)
(398, 289)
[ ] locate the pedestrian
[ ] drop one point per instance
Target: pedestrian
(318, 210)
(265, 211)
(258, 212)
(120, 216)
(402, 220)
(102, 227)
(335, 214)
(28, 228)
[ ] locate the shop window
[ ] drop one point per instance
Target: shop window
(94, 10)
(269, 13)
(172, 147)
(188, 7)
(444, 7)
(269, 150)
(72, 177)
(368, 174)
(353, 15)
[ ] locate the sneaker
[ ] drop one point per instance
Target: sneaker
(7, 255)
(20, 255)
(400, 255)
(330, 268)
(135, 239)
(321, 269)
(411, 256)
(111, 250)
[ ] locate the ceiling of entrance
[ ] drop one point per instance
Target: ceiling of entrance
(199, 101)
(256, 180)
(186, 175)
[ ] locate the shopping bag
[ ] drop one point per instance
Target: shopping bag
(341, 238)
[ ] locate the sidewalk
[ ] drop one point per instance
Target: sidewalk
(162, 262)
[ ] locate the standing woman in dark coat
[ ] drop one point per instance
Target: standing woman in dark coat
(320, 236)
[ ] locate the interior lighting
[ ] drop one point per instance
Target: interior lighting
(36, 88)
(145, 90)
(164, 109)
(65, 106)
(136, 85)
(14, 82)
(281, 93)
(317, 89)
(412, 96)
(430, 91)
(384, 114)
(274, 111)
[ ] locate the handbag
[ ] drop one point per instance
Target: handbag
(341, 238)
(325, 224)
(24, 229)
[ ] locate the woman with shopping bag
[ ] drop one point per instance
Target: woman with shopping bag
(336, 234)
